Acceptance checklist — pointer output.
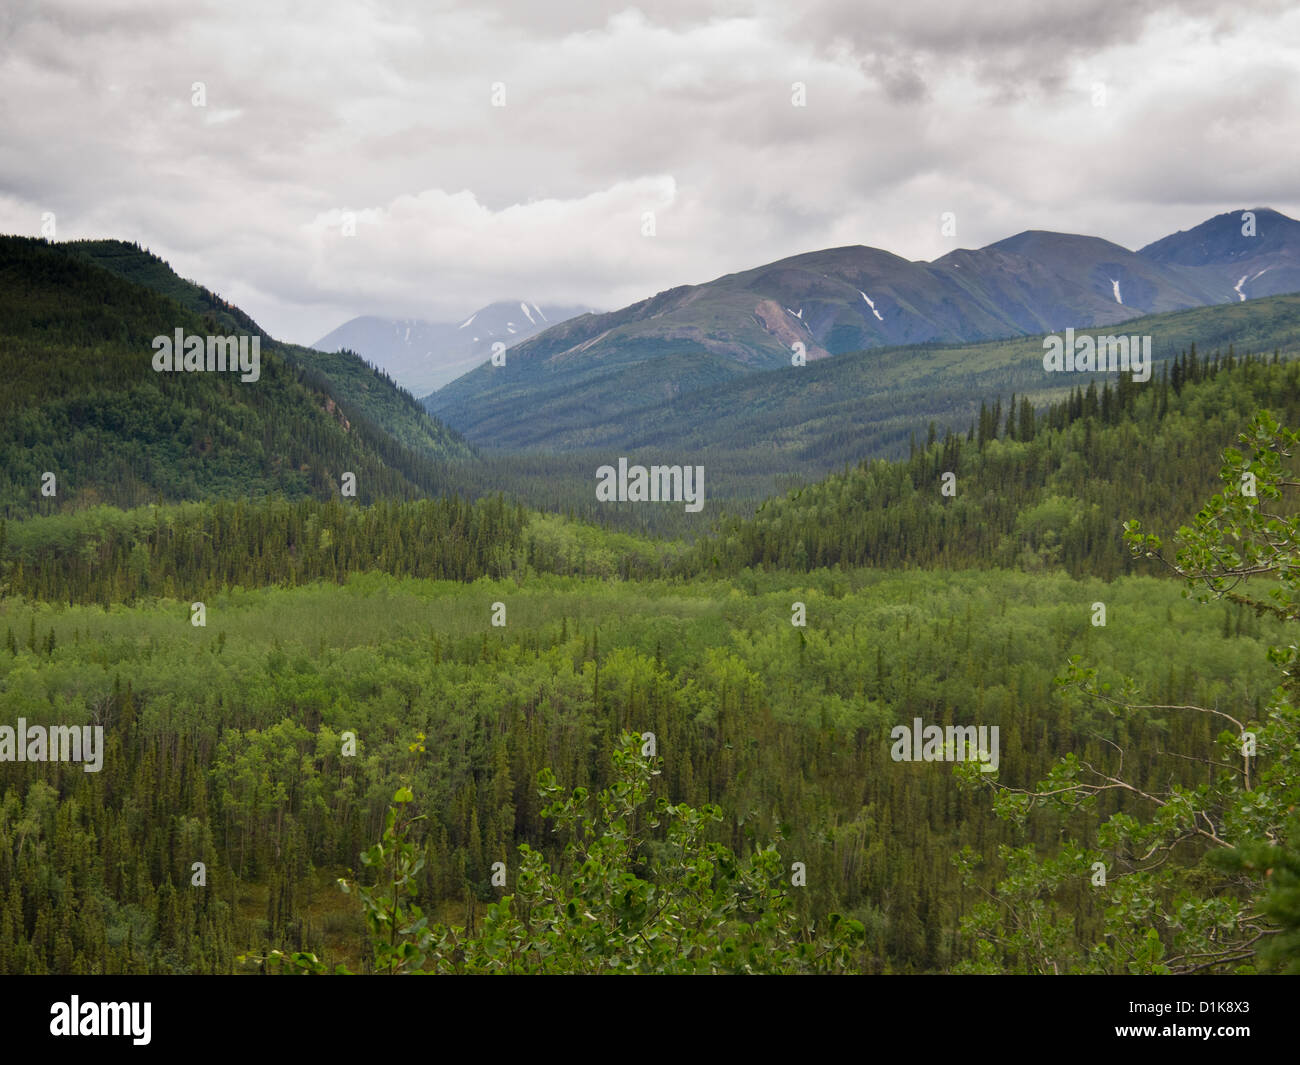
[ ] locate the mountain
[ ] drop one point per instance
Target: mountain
(1238, 264)
(806, 421)
(1043, 282)
(422, 356)
(344, 375)
(82, 400)
(597, 369)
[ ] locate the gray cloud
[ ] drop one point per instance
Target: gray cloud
(681, 108)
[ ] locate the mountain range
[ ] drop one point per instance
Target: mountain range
(76, 320)
(423, 356)
(600, 368)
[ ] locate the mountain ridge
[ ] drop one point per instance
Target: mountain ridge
(845, 299)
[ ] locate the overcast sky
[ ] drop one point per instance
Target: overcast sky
(1119, 118)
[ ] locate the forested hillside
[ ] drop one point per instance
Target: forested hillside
(83, 402)
(763, 433)
(1033, 490)
(344, 375)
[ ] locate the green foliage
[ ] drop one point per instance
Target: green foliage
(106, 555)
(617, 903)
(1201, 872)
(1279, 863)
(224, 742)
(1048, 495)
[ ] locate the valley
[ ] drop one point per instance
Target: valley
(903, 549)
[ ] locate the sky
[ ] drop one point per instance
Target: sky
(314, 161)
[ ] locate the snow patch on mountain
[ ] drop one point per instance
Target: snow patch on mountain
(871, 304)
(799, 314)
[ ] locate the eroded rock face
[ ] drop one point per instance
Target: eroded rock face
(777, 323)
(332, 408)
